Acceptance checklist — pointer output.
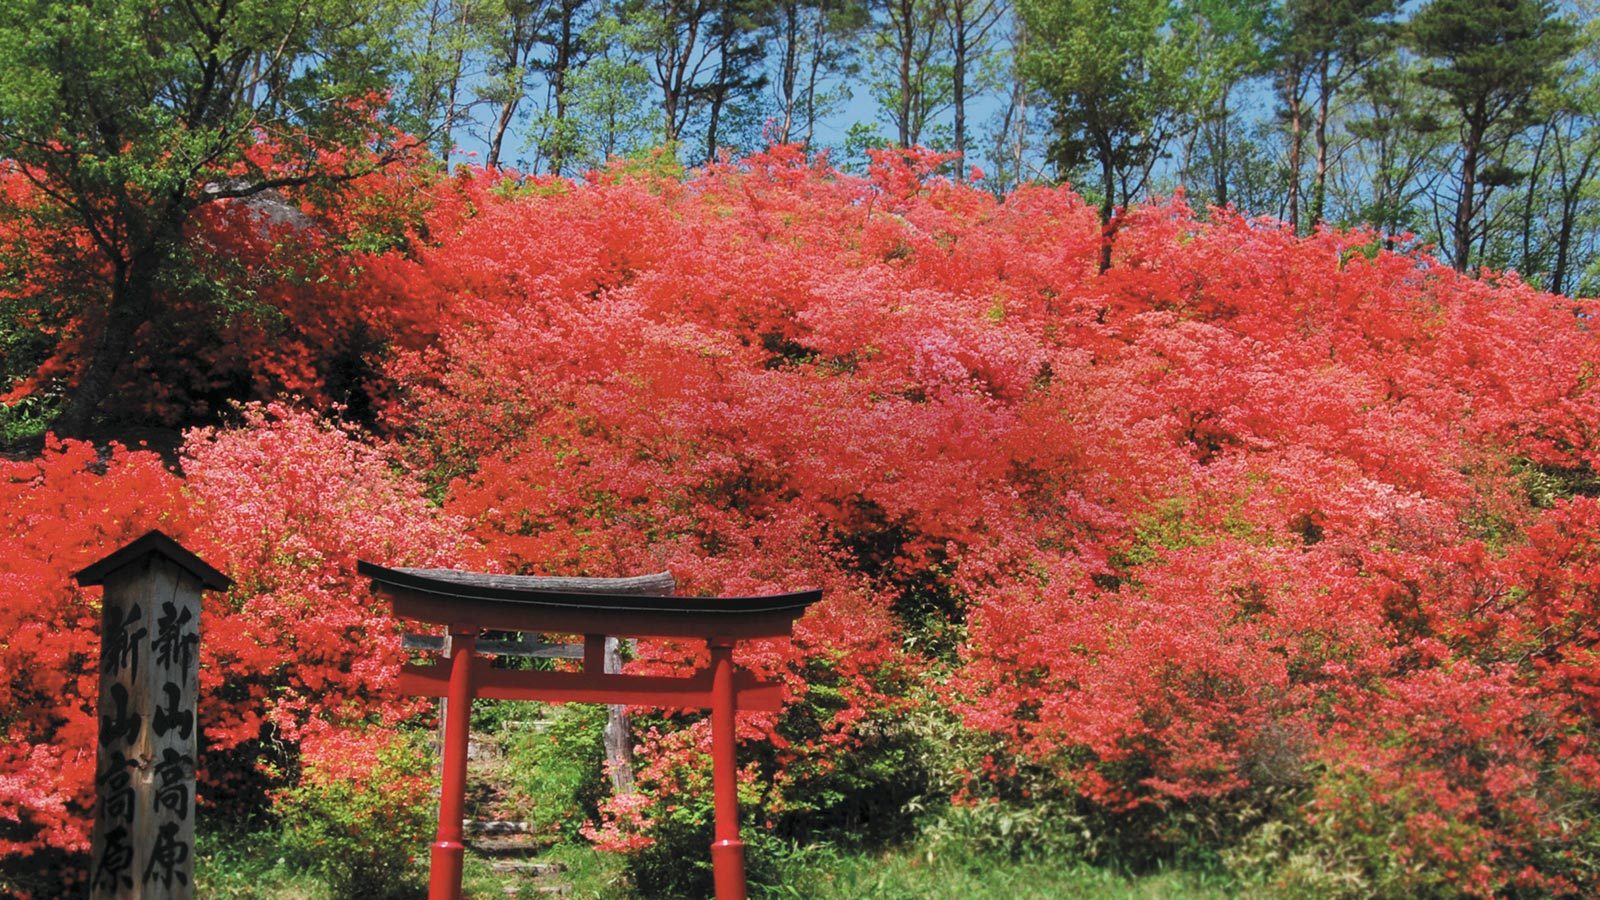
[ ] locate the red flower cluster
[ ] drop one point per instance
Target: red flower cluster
(1246, 510)
(285, 504)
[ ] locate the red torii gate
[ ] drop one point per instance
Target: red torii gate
(597, 608)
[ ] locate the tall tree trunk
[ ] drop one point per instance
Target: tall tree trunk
(1002, 140)
(133, 288)
(958, 87)
(675, 86)
(446, 141)
(669, 112)
(430, 102)
(565, 39)
(618, 737)
(789, 72)
(711, 125)
(1319, 184)
(1464, 202)
(1220, 164)
(501, 124)
(1108, 207)
(907, 28)
(1021, 145)
(1528, 197)
(727, 31)
(1571, 194)
(1296, 142)
(516, 52)
(462, 26)
(813, 71)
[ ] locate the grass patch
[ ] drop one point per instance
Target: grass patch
(250, 867)
(254, 868)
(911, 874)
(588, 873)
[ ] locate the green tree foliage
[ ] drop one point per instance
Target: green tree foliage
(130, 117)
(1489, 58)
(1113, 80)
(1224, 43)
(605, 108)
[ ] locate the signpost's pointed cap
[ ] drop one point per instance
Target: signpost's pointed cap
(154, 542)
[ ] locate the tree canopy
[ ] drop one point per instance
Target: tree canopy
(127, 118)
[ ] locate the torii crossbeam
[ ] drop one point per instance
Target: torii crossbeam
(467, 603)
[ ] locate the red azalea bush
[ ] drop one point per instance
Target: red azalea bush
(60, 512)
(1250, 536)
(1211, 524)
(285, 503)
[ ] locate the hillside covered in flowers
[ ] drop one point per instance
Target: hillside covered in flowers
(1281, 554)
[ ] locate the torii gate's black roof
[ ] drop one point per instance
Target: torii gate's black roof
(625, 605)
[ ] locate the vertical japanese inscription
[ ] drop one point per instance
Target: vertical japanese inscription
(123, 637)
(168, 858)
(177, 638)
(144, 779)
(114, 864)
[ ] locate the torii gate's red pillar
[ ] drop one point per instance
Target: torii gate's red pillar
(727, 851)
(449, 848)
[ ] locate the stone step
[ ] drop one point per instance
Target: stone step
(556, 890)
(528, 867)
(496, 826)
(510, 845)
(537, 726)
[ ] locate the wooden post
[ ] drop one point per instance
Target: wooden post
(449, 850)
(727, 851)
(619, 733)
(143, 838)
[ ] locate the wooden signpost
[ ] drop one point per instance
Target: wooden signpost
(143, 839)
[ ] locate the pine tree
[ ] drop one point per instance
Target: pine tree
(1488, 57)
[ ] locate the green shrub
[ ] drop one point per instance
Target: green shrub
(678, 864)
(558, 774)
(361, 821)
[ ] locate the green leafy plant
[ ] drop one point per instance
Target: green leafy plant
(361, 815)
(558, 772)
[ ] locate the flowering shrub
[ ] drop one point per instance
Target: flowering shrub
(284, 504)
(1294, 533)
(61, 511)
(289, 503)
(1193, 533)
(362, 813)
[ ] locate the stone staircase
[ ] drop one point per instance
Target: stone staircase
(510, 847)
